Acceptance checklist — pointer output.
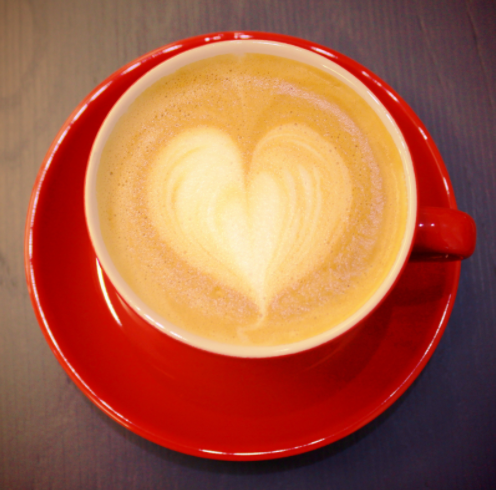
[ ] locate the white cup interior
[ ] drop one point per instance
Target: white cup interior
(243, 46)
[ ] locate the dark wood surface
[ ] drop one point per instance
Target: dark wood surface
(441, 58)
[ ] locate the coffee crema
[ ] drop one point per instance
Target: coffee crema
(252, 199)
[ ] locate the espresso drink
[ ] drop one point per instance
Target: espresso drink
(252, 199)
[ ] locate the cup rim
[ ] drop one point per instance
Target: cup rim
(280, 48)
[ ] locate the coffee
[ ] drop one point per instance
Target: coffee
(252, 199)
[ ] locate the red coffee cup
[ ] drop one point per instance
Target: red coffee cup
(431, 233)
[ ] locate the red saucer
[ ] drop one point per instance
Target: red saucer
(203, 404)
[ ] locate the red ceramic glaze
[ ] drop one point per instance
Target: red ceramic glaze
(444, 233)
(201, 403)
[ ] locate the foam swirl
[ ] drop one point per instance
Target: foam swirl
(256, 226)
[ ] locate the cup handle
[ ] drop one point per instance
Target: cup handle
(443, 234)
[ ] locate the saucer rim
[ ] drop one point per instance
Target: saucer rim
(30, 273)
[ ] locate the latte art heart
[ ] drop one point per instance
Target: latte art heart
(255, 226)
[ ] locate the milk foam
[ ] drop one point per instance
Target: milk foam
(251, 199)
(257, 231)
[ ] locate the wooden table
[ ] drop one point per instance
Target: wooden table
(440, 56)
